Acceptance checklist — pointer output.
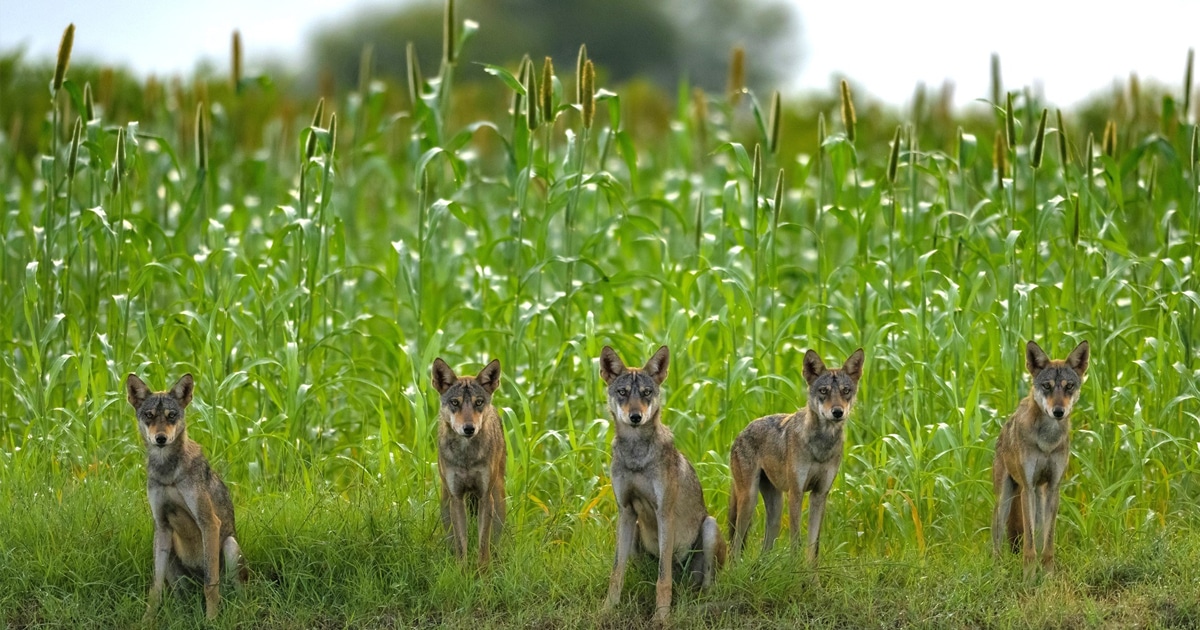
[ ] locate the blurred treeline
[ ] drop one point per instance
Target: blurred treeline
(659, 40)
(656, 53)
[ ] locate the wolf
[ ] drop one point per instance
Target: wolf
(471, 456)
(1032, 454)
(660, 503)
(194, 532)
(795, 453)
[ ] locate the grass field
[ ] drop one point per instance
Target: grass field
(308, 276)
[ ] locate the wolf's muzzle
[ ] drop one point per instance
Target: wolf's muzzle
(838, 413)
(468, 430)
(1059, 412)
(160, 439)
(635, 418)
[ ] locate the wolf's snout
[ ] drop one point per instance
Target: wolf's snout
(635, 418)
(468, 430)
(838, 412)
(160, 439)
(1059, 412)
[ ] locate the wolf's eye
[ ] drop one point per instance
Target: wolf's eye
(147, 415)
(1047, 386)
(171, 415)
(647, 392)
(1068, 387)
(454, 403)
(478, 403)
(824, 391)
(622, 392)
(845, 391)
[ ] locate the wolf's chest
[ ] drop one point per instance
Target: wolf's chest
(635, 456)
(454, 450)
(169, 502)
(824, 444)
(171, 507)
(1051, 436)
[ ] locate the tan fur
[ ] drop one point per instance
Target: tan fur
(471, 456)
(660, 502)
(793, 454)
(1032, 453)
(194, 531)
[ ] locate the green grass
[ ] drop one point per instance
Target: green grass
(309, 301)
(363, 559)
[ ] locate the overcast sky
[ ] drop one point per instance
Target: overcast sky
(1073, 48)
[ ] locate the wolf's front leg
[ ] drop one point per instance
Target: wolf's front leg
(816, 514)
(499, 509)
(666, 561)
(486, 518)
(1029, 525)
(795, 500)
(626, 538)
(210, 535)
(162, 555)
(458, 525)
(1004, 503)
(710, 542)
(447, 520)
(1050, 517)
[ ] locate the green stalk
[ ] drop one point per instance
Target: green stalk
(321, 264)
(301, 261)
(121, 195)
(755, 186)
(56, 85)
(818, 217)
(773, 316)
(849, 121)
(892, 170)
(422, 194)
(966, 204)
(569, 226)
(587, 104)
(449, 35)
(72, 161)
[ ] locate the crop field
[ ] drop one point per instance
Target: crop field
(307, 262)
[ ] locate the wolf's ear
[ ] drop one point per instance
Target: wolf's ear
(611, 365)
(656, 367)
(489, 376)
(1078, 359)
(443, 376)
(853, 365)
(136, 391)
(1035, 359)
(182, 390)
(813, 366)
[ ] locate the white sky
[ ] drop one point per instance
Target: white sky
(1073, 48)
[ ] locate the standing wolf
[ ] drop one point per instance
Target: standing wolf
(471, 455)
(1032, 454)
(795, 454)
(193, 514)
(660, 502)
